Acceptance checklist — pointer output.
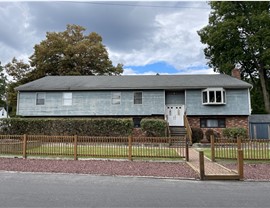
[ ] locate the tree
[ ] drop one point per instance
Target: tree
(62, 53)
(17, 69)
(72, 53)
(3, 83)
(238, 35)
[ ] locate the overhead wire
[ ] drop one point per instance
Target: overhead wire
(138, 5)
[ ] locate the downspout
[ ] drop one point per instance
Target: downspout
(249, 101)
(18, 101)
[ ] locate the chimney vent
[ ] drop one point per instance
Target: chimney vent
(236, 73)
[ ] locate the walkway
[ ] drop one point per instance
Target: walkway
(211, 168)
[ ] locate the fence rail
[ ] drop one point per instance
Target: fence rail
(253, 149)
(99, 147)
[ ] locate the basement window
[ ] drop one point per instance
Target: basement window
(213, 122)
(214, 96)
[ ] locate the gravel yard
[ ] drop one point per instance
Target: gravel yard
(258, 171)
(101, 167)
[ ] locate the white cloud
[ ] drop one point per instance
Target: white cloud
(129, 71)
(134, 36)
(199, 71)
(175, 41)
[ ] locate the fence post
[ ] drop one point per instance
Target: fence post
(239, 143)
(212, 148)
(201, 164)
(24, 146)
(187, 148)
(130, 148)
(240, 163)
(75, 147)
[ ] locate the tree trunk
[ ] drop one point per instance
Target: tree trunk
(266, 98)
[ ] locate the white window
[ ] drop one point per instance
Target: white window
(67, 98)
(137, 97)
(116, 98)
(40, 98)
(215, 96)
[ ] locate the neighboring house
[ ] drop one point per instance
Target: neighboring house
(209, 101)
(259, 126)
(3, 113)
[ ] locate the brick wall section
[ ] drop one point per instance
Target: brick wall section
(231, 121)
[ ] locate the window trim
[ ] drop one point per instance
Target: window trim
(141, 99)
(214, 102)
(65, 99)
(221, 122)
(113, 98)
(43, 97)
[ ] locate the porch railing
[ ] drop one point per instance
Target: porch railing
(188, 129)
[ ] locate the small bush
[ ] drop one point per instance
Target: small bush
(234, 132)
(197, 135)
(68, 126)
(154, 127)
(210, 132)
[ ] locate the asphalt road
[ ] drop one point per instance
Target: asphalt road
(71, 190)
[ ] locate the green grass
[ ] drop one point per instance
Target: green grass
(105, 152)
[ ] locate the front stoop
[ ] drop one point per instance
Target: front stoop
(213, 170)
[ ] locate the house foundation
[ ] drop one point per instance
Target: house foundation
(230, 122)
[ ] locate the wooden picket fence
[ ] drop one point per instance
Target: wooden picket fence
(97, 147)
(253, 149)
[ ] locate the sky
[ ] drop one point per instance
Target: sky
(146, 37)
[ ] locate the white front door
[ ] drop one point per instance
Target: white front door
(175, 115)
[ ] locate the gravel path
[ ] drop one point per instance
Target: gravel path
(101, 167)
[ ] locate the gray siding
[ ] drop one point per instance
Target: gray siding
(237, 103)
(99, 103)
(177, 97)
(92, 103)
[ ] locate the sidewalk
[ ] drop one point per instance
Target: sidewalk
(211, 168)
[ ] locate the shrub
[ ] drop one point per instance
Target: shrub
(154, 127)
(210, 132)
(234, 132)
(68, 126)
(197, 135)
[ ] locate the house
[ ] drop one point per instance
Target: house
(209, 101)
(3, 113)
(259, 126)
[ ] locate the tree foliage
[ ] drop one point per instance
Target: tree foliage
(238, 35)
(3, 83)
(17, 69)
(72, 53)
(61, 53)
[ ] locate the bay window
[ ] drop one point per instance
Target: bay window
(214, 96)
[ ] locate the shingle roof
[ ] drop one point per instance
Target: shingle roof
(259, 118)
(66, 83)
